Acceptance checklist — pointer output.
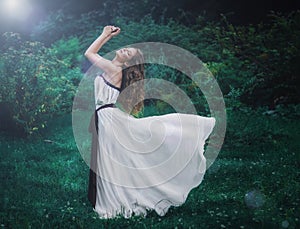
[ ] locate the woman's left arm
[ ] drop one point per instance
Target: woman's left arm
(92, 52)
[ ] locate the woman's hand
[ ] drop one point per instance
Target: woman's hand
(111, 31)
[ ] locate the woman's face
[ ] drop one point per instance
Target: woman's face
(125, 54)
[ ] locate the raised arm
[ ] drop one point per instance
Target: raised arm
(92, 52)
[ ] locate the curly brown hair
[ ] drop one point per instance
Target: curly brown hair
(132, 87)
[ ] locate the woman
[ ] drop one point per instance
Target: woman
(141, 164)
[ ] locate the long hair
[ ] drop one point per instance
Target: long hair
(132, 87)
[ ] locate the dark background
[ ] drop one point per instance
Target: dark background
(238, 12)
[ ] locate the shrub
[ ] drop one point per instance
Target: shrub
(270, 52)
(35, 83)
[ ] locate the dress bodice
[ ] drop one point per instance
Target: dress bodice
(105, 92)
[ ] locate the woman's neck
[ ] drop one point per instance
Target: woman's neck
(117, 63)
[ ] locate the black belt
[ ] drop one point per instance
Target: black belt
(96, 115)
(93, 128)
(106, 105)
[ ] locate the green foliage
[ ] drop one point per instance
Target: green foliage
(68, 51)
(59, 25)
(261, 61)
(268, 56)
(63, 23)
(255, 65)
(35, 82)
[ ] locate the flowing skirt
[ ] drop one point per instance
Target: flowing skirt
(146, 164)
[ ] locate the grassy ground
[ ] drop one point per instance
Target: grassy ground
(44, 185)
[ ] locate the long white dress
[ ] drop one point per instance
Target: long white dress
(148, 163)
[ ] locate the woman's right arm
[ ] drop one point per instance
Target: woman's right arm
(92, 52)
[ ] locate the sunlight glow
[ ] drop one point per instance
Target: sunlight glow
(11, 4)
(16, 9)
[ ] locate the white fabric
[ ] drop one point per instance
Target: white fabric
(104, 94)
(148, 163)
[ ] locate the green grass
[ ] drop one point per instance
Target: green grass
(44, 185)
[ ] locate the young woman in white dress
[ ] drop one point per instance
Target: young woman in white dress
(139, 164)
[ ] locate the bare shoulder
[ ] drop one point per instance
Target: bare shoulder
(114, 77)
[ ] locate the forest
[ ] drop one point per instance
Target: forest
(253, 183)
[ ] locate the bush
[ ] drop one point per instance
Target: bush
(269, 57)
(35, 83)
(255, 65)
